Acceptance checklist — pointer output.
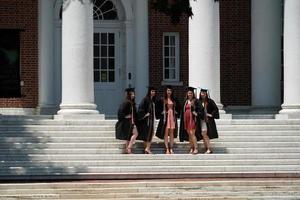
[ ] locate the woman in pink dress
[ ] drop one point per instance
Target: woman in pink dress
(167, 126)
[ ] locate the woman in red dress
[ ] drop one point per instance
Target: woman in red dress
(191, 114)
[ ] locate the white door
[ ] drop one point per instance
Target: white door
(107, 62)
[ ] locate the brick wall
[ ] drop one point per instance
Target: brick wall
(158, 24)
(23, 14)
(235, 36)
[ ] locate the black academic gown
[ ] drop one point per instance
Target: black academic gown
(211, 124)
(124, 125)
(198, 108)
(146, 128)
(163, 117)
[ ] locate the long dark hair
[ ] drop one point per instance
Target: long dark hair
(128, 97)
(206, 97)
(193, 99)
(149, 94)
(166, 95)
(186, 96)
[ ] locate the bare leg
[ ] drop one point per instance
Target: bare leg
(204, 133)
(132, 140)
(126, 146)
(171, 140)
(206, 142)
(191, 143)
(194, 141)
(147, 149)
(167, 141)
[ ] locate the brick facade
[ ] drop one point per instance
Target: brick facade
(23, 15)
(158, 24)
(235, 33)
(235, 40)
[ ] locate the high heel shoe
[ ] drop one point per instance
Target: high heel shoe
(195, 151)
(208, 151)
(128, 150)
(191, 150)
(167, 151)
(171, 151)
(147, 151)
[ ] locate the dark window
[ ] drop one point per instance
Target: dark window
(10, 63)
(102, 10)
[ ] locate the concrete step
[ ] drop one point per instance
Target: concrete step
(253, 116)
(217, 150)
(139, 163)
(111, 133)
(137, 173)
(120, 144)
(215, 183)
(48, 121)
(141, 157)
(111, 139)
(112, 128)
(170, 194)
(156, 171)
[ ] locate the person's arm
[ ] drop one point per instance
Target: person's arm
(215, 112)
(124, 110)
(177, 108)
(143, 109)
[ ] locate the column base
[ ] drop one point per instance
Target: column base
(81, 117)
(47, 110)
(223, 114)
(78, 109)
(289, 112)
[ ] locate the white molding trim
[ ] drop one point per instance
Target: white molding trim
(17, 111)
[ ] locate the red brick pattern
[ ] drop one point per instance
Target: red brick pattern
(235, 36)
(158, 24)
(235, 33)
(23, 14)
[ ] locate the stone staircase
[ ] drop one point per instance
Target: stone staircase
(214, 189)
(39, 147)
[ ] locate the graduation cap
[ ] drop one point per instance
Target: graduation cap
(205, 90)
(152, 88)
(192, 89)
(129, 90)
(169, 87)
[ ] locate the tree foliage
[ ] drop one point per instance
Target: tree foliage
(173, 8)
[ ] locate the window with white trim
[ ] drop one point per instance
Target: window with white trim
(171, 56)
(104, 57)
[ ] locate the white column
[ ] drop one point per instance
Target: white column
(291, 104)
(217, 52)
(77, 58)
(129, 52)
(266, 31)
(141, 48)
(46, 69)
(204, 48)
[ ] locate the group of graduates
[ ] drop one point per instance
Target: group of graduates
(196, 119)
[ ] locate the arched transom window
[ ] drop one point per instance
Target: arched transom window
(105, 10)
(102, 10)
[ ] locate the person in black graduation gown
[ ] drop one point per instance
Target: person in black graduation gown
(191, 115)
(126, 126)
(169, 111)
(208, 124)
(146, 117)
